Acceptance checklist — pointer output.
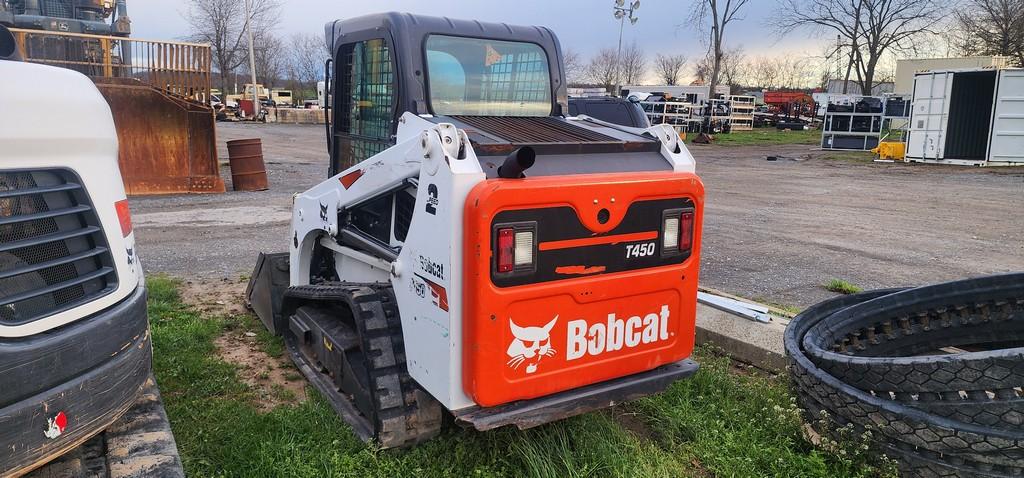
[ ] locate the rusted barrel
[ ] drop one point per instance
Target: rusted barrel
(247, 170)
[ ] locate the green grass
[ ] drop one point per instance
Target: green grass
(719, 423)
(765, 136)
(841, 287)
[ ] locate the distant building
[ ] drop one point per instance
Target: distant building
(906, 69)
(853, 88)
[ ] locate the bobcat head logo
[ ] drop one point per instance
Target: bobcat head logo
(323, 212)
(531, 344)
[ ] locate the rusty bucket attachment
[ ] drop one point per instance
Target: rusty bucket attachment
(159, 96)
(248, 173)
(266, 289)
(167, 144)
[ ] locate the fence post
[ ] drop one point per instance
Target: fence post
(22, 49)
(108, 62)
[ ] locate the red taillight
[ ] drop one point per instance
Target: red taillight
(686, 231)
(125, 216)
(515, 248)
(506, 250)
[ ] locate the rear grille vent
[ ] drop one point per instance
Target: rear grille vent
(53, 254)
(534, 130)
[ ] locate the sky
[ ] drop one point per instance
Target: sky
(585, 26)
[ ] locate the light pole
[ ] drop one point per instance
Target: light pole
(622, 12)
(252, 61)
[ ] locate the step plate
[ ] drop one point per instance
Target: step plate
(531, 413)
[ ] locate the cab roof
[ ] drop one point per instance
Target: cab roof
(406, 34)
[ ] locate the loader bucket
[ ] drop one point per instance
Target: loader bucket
(266, 290)
(167, 144)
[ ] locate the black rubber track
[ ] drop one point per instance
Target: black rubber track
(969, 312)
(938, 440)
(912, 463)
(403, 414)
(978, 387)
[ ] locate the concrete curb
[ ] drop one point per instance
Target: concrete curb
(744, 340)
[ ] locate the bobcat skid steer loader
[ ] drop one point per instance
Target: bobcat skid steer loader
(474, 252)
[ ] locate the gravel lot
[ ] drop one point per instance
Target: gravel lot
(773, 230)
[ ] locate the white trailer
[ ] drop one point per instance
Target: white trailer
(971, 117)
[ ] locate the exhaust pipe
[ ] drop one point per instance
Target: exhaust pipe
(8, 45)
(520, 160)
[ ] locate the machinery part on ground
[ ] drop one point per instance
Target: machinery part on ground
(963, 431)
(360, 360)
(138, 445)
(248, 173)
(754, 312)
(986, 315)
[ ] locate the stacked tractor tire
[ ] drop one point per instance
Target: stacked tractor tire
(933, 373)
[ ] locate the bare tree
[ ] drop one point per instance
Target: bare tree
(793, 72)
(632, 64)
(669, 67)
(764, 73)
(732, 67)
(269, 57)
(575, 68)
(702, 71)
(990, 27)
(308, 54)
(869, 28)
(221, 23)
(719, 13)
(601, 68)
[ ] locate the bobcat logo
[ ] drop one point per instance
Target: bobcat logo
(323, 212)
(56, 426)
(531, 344)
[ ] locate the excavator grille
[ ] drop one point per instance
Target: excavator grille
(53, 253)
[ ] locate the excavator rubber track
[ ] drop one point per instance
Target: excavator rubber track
(347, 340)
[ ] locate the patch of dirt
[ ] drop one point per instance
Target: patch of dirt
(223, 297)
(275, 381)
(633, 423)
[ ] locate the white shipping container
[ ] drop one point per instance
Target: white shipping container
(968, 117)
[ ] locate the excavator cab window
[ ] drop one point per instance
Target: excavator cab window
(364, 101)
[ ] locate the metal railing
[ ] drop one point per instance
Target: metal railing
(178, 68)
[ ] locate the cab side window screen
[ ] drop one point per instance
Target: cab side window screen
(364, 101)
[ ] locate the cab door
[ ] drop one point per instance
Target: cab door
(363, 103)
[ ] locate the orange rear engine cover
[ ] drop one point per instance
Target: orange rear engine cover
(602, 299)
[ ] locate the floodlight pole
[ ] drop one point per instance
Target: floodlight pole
(622, 13)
